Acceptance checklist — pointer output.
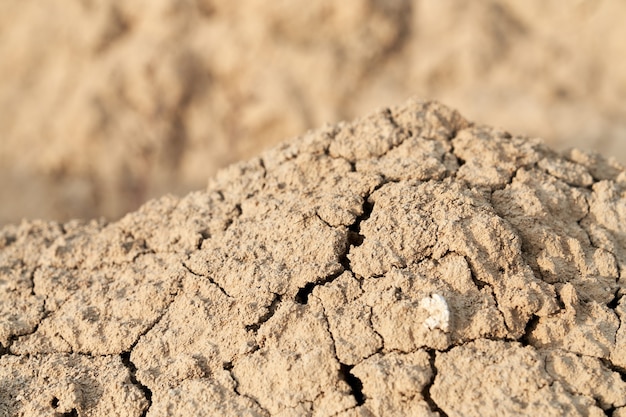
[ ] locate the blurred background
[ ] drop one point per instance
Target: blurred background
(107, 103)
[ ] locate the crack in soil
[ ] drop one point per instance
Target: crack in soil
(228, 366)
(355, 384)
(132, 370)
(302, 296)
(531, 325)
(616, 299)
(354, 239)
(459, 161)
(345, 371)
(271, 310)
(229, 222)
(426, 391)
(4, 350)
(211, 280)
(482, 284)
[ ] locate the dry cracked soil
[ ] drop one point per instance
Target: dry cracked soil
(406, 263)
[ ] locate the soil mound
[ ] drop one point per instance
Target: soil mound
(406, 263)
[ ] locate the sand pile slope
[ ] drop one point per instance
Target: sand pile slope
(407, 263)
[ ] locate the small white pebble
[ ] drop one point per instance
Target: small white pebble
(439, 313)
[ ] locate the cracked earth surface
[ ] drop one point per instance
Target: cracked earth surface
(407, 263)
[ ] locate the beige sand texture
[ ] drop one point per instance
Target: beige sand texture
(409, 263)
(107, 103)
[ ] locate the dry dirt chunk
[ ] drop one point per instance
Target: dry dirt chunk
(203, 397)
(276, 246)
(164, 225)
(7, 236)
(111, 310)
(618, 356)
(240, 180)
(598, 166)
(415, 159)
(24, 302)
(489, 378)
(491, 157)
(378, 134)
(349, 319)
(295, 367)
(93, 246)
(20, 311)
(412, 222)
(329, 186)
(393, 384)
(428, 119)
(546, 213)
(399, 314)
(587, 328)
(170, 224)
(606, 222)
(68, 385)
(30, 239)
(569, 172)
(203, 330)
(56, 285)
(588, 376)
(313, 142)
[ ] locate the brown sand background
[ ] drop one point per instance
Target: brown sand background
(104, 104)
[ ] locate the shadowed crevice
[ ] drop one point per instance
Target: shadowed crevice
(72, 413)
(211, 280)
(228, 366)
(356, 386)
(132, 370)
(271, 310)
(426, 391)
(615, 301)
(230, 221)
(530, 327)
(459, 161)
(302, 296)
(354, 238)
